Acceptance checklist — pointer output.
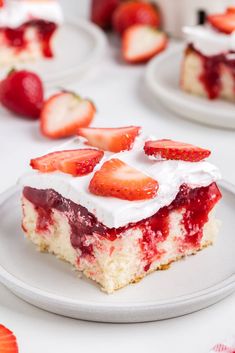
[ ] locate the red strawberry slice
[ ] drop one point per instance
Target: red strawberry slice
(168, 149)
(135, 12)
(223, 22)
(63, 113)
(140, 43)
(8, 343)
(82, 164)
(117, 179)
(110, 139)
(75, 162)
(46, 163)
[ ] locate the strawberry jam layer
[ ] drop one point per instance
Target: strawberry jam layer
(17, 38)
(195, 205)
(211, 76)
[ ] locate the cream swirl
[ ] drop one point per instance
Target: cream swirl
(209, 41)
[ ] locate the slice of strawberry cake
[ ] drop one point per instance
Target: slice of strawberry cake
(118, 206)
(208, 67)
(27, 29)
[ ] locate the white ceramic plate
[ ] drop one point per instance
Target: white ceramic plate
(162, 77)
(45, 281)
(78, 45)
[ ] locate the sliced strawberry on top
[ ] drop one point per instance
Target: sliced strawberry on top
(46, 163)
(75, 162)
(140, 43)
(117, 179)
(223, 22)
(168, 149)
(110, 139)
(8, 343)
(82, 164)
(63, 113)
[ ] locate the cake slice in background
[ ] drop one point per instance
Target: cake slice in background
(208, 67)
(27, 30)
(118, 216)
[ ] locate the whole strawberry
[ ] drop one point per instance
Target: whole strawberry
(102, 11)
(134, 12)
(22, 93)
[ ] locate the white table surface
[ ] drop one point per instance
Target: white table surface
(121, 98)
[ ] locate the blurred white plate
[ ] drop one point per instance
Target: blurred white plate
(78, 45)
(162, 77)
(49, 283)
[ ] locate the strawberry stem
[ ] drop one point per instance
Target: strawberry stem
(13, 69)
(64, 90)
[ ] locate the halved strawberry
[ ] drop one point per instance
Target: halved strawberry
(63, 113)
(117, 179)
(110, 139)
(168, 149)
(8, 343)
(75, 162)
(223, 22)
(140, 43)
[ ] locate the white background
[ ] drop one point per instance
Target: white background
(121, 99)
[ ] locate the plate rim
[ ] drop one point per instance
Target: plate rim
(98, 50)
(73, 73)
(163, 94)
(28, 292)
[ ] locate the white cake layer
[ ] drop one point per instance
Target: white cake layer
(193, 69)
(11, 56)
(116, 263)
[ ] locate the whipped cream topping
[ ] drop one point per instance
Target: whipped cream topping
(14, 13)
(209, 41)
(114, 212)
